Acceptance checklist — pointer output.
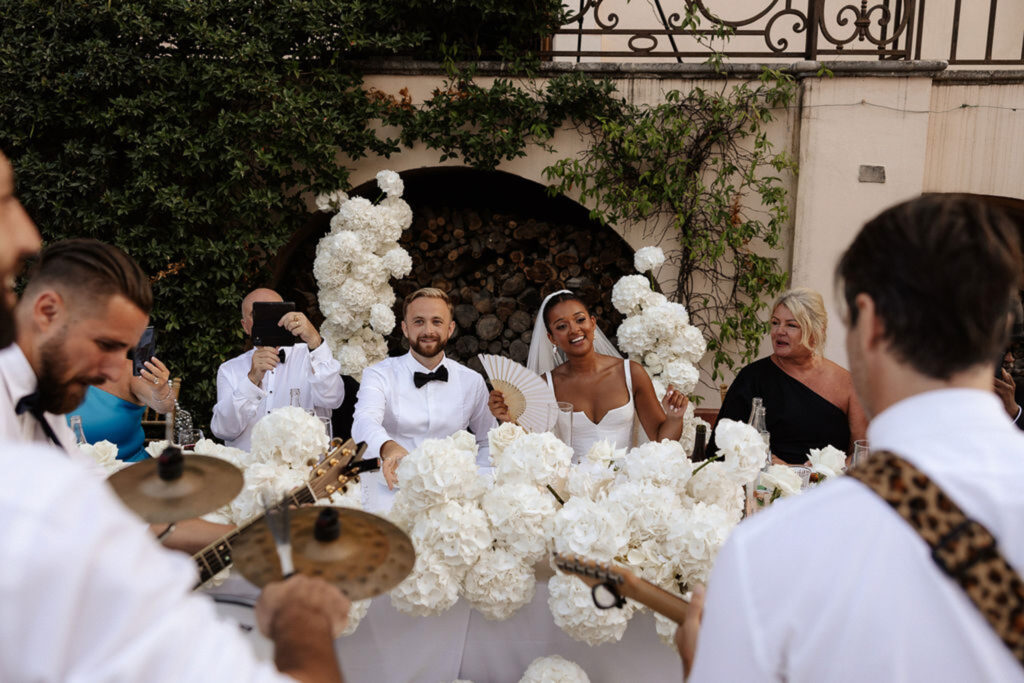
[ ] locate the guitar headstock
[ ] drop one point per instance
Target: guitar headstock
(342, 463)
(591, 570)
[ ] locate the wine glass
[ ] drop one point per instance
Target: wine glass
(860, 452)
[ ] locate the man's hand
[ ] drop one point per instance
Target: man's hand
(497, 406)
(299, 325)
(686, 634)
(390, 455)
(1005, 389)
(302, 615)
(264, 360)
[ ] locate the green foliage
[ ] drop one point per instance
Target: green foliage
(190, 132)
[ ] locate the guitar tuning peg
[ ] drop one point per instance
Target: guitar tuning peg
(333, 462)
(320, 471)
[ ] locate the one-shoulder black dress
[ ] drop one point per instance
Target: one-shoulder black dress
(798, 419)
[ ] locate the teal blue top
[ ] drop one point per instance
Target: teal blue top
(108, 417)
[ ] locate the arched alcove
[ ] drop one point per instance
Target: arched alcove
(497, 243)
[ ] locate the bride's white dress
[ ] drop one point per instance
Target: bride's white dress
(616, 426)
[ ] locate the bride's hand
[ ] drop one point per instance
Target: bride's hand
(496, 404)
(674, 403)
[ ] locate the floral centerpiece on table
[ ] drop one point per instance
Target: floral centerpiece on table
(354, 263)
(105, 454)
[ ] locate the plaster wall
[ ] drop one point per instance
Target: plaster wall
(911, 125)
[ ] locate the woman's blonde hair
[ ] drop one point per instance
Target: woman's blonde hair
(808, 308)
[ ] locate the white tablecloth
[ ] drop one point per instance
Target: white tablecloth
(391, 647)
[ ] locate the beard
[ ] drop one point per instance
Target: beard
(428, 349)
(56, 395)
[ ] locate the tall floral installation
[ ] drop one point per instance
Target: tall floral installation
(354, 263)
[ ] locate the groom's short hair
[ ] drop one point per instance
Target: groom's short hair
(428, 293)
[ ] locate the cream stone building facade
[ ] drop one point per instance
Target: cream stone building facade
(947, 115)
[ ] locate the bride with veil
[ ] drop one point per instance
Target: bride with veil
(608, 393)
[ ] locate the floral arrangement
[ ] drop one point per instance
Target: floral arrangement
(657, 333)
(105, 455)
(827, 462)
(554, 669)
(353, 265)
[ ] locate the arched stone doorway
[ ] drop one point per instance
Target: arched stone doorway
(497, 243)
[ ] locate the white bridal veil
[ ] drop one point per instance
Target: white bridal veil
(544, 357)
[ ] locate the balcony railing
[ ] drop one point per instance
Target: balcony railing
(769, 30)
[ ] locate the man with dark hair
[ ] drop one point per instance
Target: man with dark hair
(86, 304)
(422, 395)
(86, 592)
(836, 585)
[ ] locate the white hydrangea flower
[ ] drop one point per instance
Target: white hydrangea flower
(781, 478)
(356, 613)
(356, 295)
(666, 630)
(572, 608)
(681, 374)
(105, 454)
(277, 478)
(439, 470)
(330, 201)
(397, 262)
(590, 480)
(662, 463)
(629, 292)
(651, 513)
(554, 669)
(500, 437)
(390, 183)
(430, 589)
(635, 336)
(828, 461)
(540, 459)
(398, 217)
(499, 584)
(290, 436)
(690, 422)
(713, 485)
(369, 270)
(382, 319)
(741, 448)
(453, 532)
(648, 258)
(593, 529)
(696, 538)
(520, 516)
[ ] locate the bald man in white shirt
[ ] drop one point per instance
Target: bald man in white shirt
(256, 382)
(422, 395)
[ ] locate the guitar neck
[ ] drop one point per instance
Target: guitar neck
(216, 557)
(658, 599)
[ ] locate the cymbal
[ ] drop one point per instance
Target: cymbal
(370, 556)
(205, 484)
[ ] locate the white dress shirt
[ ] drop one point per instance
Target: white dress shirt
(389, 407)
(241, 404)
(17, 380)
(836, 586)
(88, 595)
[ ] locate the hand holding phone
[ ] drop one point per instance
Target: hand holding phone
(143, 351)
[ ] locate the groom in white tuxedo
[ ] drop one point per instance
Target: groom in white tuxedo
(405, 400)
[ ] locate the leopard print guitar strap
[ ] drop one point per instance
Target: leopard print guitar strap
(961, 547)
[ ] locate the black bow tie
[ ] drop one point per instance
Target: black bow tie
(30, 404)
(421, 378)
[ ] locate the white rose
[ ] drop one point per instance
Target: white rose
(105, 453)
(781, 478)
(828, 461)
(500, 437)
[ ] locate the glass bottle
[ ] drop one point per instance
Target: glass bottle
(294, 398)
(75, 421)
(755, 404)
(700, 439)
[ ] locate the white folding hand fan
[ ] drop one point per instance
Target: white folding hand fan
(530, 401)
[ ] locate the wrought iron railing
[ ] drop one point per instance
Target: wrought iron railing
(657, 30)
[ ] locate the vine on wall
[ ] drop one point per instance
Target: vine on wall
(188, 131)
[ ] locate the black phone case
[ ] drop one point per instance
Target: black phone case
(145, 350)
(265, 330)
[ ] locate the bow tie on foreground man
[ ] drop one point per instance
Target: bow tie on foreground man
(927, 287)
(422, 395)
(87, 594)
(251, 385)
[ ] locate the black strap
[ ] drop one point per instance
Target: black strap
(30, 404)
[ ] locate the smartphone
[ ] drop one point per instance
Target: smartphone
(145, 350)
(265, 330)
